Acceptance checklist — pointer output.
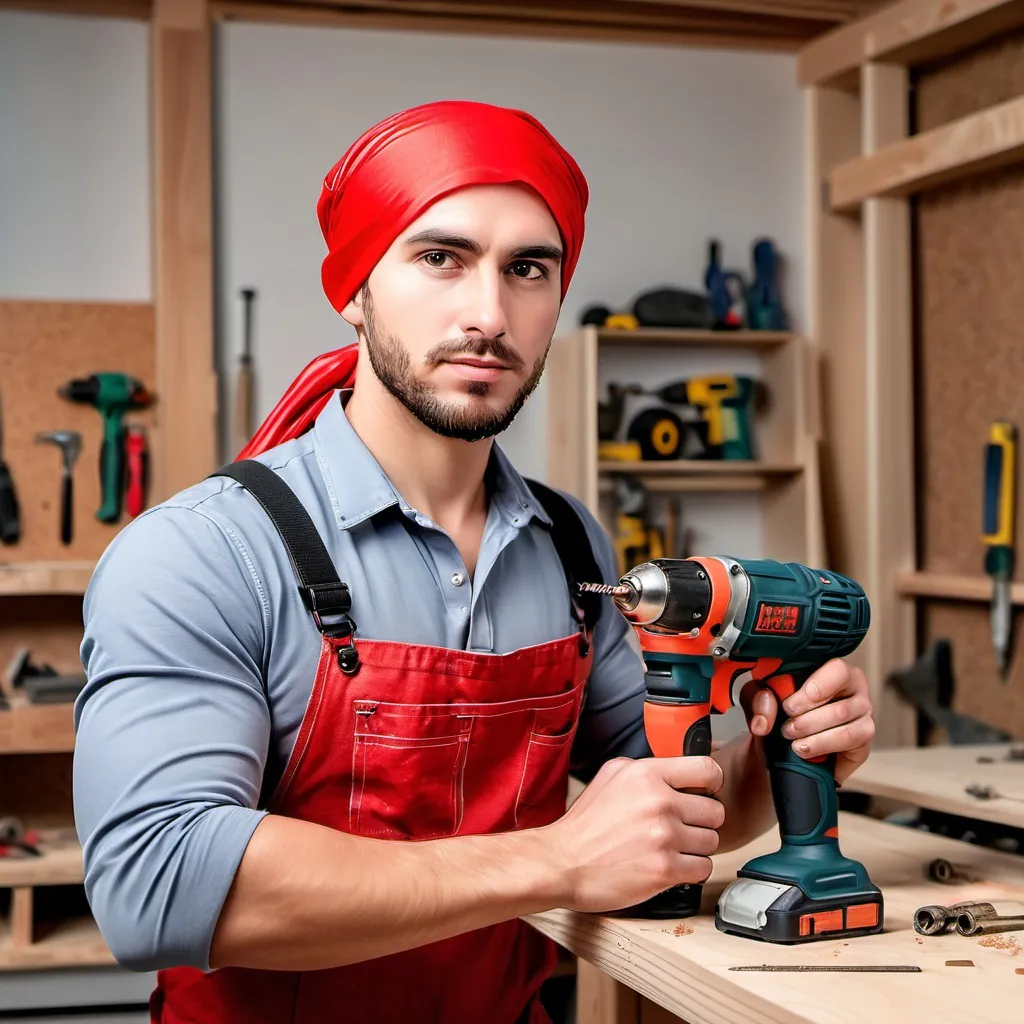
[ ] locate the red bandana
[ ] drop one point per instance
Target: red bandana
(390, 176)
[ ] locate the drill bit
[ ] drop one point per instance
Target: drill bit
(605, 589)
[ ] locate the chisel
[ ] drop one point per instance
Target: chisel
(998, 532)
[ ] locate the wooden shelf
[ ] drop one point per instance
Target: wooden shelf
(60, 864)
(24, 578)
(990, 138)
(75, 942)
(679, 336)
(954, 588)
(699, 467)
(36, 728)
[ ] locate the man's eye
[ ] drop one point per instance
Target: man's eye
(437, 259)
(527, 270)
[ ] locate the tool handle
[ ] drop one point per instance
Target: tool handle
(998, 512)
(137, 458)
(243, 402)
(67, 501)
(803, 791)
(10, 512)
(111, 468)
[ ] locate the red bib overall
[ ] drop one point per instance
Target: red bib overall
(409, 742)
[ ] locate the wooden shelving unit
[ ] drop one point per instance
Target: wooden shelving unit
(785, 432)
(953, 588)
(36, 729)
(28, 578)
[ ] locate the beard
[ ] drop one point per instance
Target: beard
(471, 422)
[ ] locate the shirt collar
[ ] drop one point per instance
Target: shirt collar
(359, 488)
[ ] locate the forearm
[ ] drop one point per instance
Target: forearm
(746, 792)
(307, 897)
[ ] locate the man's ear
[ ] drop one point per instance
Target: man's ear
(353, 311)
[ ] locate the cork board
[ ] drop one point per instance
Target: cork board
(969, 257)
(42, 346)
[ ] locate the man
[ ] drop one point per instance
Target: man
(323, 750)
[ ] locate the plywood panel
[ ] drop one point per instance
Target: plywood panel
(42, 346)
(970, 260)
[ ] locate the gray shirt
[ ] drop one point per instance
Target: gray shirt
(200, 658)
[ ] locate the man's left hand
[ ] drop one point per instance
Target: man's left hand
(830, 714)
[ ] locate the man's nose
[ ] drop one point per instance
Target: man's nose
(483, 310)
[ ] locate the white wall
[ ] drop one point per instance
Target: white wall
(74, 160)
(678, 146)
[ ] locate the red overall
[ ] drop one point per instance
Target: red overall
(417, 743)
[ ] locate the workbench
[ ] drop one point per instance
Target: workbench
(681, 967)
(937, 778)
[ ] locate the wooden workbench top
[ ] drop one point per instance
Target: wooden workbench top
(937, 778)
(684, 965)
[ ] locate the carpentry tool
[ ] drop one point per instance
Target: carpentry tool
(636, 540)
(998, 531)
(928, 684)
(16, 841)
(710, 625)
(136, 453)
(764, 304)
(10, 512)
(244, 382)
(42, 684)
(112, 395)
(841, 968)
(70, 444)
(659, 432)
(974, 917)
(725, 402)
(725, 289)
(941, 870)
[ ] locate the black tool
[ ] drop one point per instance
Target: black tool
(70, 444)
(10, 513)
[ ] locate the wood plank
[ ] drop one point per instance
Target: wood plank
(979, 142)
(136, 10)
(21, 917)
(951, 587)
(36, 728)
(73, 943)
(888, 351)
(45, 577)
(182, 98)
(909, 32)
(691, 485)
(937, 778)
(684, 965)
(755, 340)
(570, 377)
(700, 467)
(60, 864)
(600, 999)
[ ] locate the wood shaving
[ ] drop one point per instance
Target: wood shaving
(997, 941)
(682, 929)
(959, 963)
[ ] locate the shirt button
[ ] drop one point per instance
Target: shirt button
(457, 579)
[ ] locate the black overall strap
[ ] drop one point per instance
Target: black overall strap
(569, 535)
(323, 593)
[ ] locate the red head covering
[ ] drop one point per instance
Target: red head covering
(389, 177)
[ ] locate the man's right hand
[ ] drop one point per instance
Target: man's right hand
(632, 834)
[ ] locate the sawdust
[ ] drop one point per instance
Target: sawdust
(998, 941)
(682, 929)
(917, 938)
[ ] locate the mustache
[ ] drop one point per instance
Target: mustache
(478, 347)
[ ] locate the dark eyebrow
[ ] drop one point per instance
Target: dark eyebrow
(450, 240)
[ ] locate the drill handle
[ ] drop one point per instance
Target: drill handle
(803, 791)
(111, 467)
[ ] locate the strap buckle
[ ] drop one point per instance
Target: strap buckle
(329, 605)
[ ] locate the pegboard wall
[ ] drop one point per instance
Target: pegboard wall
(970, 368)
(42, 346)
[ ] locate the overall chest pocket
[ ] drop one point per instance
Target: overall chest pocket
(408, 763)
(544, 783)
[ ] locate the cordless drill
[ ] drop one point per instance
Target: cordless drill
(707, 627)
(112, 394)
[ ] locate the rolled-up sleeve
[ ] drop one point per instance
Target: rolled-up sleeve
(172, 733)
(612, 722)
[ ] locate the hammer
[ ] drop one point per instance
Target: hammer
(70, 444)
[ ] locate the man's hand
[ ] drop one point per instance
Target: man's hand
(830, 713)
(631, 834)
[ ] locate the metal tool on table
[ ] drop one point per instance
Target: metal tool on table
(112, 395)
(998, 532)
(16, 840)
(70, 444)
(10, 511)
(244, 381)
(136, 454)
(974, 917)
(708, 626)
(837, 968)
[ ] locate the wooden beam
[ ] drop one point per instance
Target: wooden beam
(186, 410)
(737, 33)
(909, 32)
(888, 397)
(137, 10)
(991, 138)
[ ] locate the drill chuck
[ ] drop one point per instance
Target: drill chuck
(671, 595)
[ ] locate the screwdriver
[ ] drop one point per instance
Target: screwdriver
(10, 514)
(997, 532)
